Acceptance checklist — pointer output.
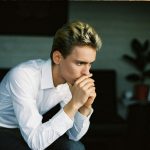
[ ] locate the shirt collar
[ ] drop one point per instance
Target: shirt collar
(47, 79)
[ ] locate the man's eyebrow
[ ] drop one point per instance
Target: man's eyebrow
(84, 62)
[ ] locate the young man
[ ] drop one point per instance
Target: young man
(34, 87)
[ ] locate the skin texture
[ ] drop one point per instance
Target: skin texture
(75, 70)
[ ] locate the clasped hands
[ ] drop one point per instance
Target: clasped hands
(83, 93)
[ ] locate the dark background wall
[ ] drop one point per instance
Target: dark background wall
(37, 18)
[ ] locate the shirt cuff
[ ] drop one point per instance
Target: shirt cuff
(81, 119)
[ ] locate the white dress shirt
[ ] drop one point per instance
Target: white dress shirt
(26, 93)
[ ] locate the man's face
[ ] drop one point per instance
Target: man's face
(77, 64)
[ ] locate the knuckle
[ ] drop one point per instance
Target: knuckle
(79, 85)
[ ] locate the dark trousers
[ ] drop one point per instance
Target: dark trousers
(11, 139)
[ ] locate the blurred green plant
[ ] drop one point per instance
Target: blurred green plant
(139, 61)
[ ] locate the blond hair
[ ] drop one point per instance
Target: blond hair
(72, 34)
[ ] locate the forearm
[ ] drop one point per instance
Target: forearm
(71, 109)
(46, 133)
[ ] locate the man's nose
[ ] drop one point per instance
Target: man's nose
(86, 70)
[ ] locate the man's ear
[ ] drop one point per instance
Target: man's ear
(57, 57)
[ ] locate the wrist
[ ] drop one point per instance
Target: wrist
(85, 110)
(70, 109)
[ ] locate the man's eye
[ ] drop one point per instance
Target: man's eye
(79, 63)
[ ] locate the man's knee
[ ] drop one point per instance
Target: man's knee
(63, 143)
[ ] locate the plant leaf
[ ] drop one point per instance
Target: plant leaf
(133, 77)
(138, 63)
(128, 59)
